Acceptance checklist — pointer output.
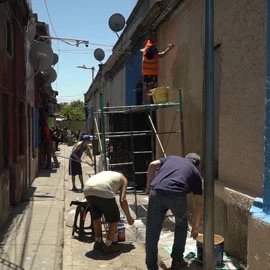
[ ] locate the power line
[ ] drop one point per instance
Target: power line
(45, 2)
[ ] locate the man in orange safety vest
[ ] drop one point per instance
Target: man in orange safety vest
(150, 64)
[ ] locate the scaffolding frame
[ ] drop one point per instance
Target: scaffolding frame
(146, 108)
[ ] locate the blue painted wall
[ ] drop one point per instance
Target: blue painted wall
(261, 206)
(266, 188)
(133, 75)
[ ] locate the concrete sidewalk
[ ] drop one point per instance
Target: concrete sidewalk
(33, 236)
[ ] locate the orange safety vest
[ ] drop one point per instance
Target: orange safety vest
(149, 66)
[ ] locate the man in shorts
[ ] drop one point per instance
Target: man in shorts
(75, 161)
(100, 191)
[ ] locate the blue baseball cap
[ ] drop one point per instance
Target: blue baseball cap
(86, 138)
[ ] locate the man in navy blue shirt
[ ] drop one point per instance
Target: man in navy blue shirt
(169, 180)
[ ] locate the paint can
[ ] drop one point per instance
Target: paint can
(115, 237)
(121, 232)
(218, 248)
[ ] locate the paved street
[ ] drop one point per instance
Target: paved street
(37, 235)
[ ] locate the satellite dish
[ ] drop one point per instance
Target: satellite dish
(41, 56)
(117, 22)
(55, 59)
(99, 54)
(50, 75)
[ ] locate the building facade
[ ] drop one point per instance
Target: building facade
(239, 77)
(23, 99)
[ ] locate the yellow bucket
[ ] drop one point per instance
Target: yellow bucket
(160, 95)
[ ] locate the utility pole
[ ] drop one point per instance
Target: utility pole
(208, 241)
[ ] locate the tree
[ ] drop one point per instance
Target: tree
(73, 110)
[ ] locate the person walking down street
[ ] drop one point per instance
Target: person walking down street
(169, 180)
(100, 191)
(56, 162)
(47, 143)
(75, 166)
(56, 137)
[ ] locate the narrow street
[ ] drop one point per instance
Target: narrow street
(37, 235)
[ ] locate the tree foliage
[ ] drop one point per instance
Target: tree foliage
(73, 110)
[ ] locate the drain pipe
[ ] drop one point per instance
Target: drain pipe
(208, 241)
(266, 176)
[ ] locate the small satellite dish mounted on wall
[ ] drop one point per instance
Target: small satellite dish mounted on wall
(50, 75)
(41, 56)
(55, 59)
(99, 54)
(117, 22)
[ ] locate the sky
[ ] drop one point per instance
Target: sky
(85, 20)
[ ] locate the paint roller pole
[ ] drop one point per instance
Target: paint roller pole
(102, 125)
(208, 241)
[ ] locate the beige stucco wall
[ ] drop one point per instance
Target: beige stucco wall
(182, 69)
(243, 70)
(240, 29)
(258, 246)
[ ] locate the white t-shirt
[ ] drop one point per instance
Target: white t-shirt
(104, 184)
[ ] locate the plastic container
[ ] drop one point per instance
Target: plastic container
(115, 237)
(218, 248)
(70, 218)
(123, 219)
(160, 95)
(121, 232)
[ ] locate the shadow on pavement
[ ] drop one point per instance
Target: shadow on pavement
(84, 238)
(9, 265)
(99, 255)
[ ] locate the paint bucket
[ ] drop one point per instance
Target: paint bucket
(115, 237)
(160, 95)
(218, 248)
(121, 232)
